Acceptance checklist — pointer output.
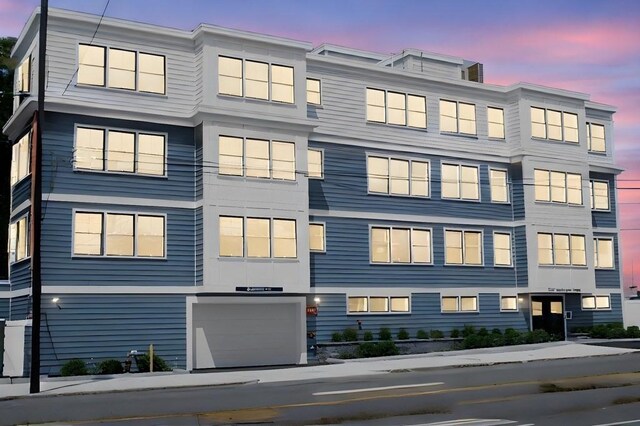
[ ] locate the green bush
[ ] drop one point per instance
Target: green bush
(633, 331)
(336, 336)
(403, 334)
(346, 355)
(376, 349)
(483, 332)
(142, 361)
(538, 336)
(468, 330)
(385, 334)
(455, 333)
(110, 366)
(496, 331)
(616, 333)
(74, 367)
(421, 334)
(512, 337)
(350, 334)
(367, 336)
(436, 334)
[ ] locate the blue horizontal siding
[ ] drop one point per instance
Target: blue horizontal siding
(604, 219)
(589, 318)
(517, 191)
(20, 274)
(520, 254)
(425, 314)
(57, 165)
(20, 308)
(20, 193)
(4, 308)
(98, 327)
(346, 260)
(609, 278)
(344, 187)
(59, 268)
(199, 261)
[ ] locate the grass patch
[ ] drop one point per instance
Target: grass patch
(626, 400)
(376, 416)
(552, 387)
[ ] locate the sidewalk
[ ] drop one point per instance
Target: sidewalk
(347, 368)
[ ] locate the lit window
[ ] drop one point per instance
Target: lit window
(119, 232)
(457, 117)
(536, 309)
(420, 246)
(502, 249)
(257, 158)
(595, 137)
(91, 65)
(468, 304)
(120, 151)
(558, 187)
(459, 304)
(574, 189)
(416, 111)
(150, 236)
(380, 245)
(419, 179)
(400, 245)
(398, 176)
(316, 237)
(282, 84)
(89, 152)
(20, 159)
(596, 302)
(561, 249)
(545, 249)
(396, 108)
(463, 248)
(578, 250)
(231, 236)
(283, 160)
(378, 174)
(542, 185)
(313, 91)
(314, 163)
(358, 304)
(230, 155)
(229, 76)
(87, 237)
(450, 304)
(570, 127)
(599, 195)
(258, 237)
(538, 123)
(603, 253)
(151, 154)
(122, 69)
(19, 240)
(23, 74)
(256, 83)
(495, 118)
(378, 304)
(460, 182)
(554, 125)
(151, 73)
(284, 238)
(376, 105)
(499, 188)
(399, 304)
(508, 303)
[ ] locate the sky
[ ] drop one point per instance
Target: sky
(590, 46)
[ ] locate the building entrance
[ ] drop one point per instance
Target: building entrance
(547, 313)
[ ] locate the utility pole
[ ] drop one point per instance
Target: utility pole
(36, 206)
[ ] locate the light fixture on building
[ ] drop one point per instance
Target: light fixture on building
(56, 300)
(316, 299)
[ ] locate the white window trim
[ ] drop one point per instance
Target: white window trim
(324, 237)
(321, 151)
(411, 262)
(106, 70)
(583, 296)
(592, 195)
(508, 183)
(459, 304)
(546, 126)
(271, 257)
(613, 252)
(511, 249)
(320, 92)
(269, 81)
(136, 152)
(458, 133)
(368, 297)
(472, 200)
(406, 109)
(517, 309)
(566, 189)
(103, 235)
(606, 145)
(553, 251)
(400, 158)
(29, 135)
(28, 242)
(463, 230)
(244, 161)
(504, 125)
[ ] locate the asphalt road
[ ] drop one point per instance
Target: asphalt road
(586, 391)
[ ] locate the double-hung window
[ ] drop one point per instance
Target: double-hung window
(561, 249)
(457, 117)
(316, 237)
(599, 195)
(315, 163)
(595, 138)
(558, 187)
(254, 237)
(463, 247)
(21, 159)
(508, 303)
(118, 234)
(313, 91)
(19, 240)
(256, 158)
(554, 125)
(378, 304)
(396, 176)
(495, 120)
(596, 302)
(23, 75)
(459, 304)
(254, 79)
(396, 108)
(460, 182)
(502, 249)
(499, 186)
(400, 245)
(120, 151)
(603, 253)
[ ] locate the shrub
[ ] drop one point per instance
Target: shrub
(436, 334)
(350, 334)
(633, 331)
(538, 336)
(455, 333)
(336, 336)
(483, 332)
(421, 334)
(496, 331)
(74, 367)
(599, 331)
(142, 361)
(468, 330)
(346, 355)
(473, 341)
(385, 334)
(403, 334)
(512, 337)
(376, 349)
(367, 336)
(110, 366)
(616, 333)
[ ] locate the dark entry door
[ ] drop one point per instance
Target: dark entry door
(547, 313)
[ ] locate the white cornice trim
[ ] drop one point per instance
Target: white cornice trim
(9, 294)
(125, 201)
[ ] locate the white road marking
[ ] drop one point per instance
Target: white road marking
(628, 422)
(340, 392)
(469, 422)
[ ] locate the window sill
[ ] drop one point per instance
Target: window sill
(384, 194)
(16, 262)
(377, 313)
(468, 200)
(256, 179)
(599, 153)
(239, 259)
(460, 135)
(257, 101)
(78, 257)
(509, 311)
(315, 106)
(604, 269)
(503, 266)
(459, 312)
(554, 141)
(400, 264)
(114, 173)
(116, 90)
(20, 180)
(600, 211)
(464, 265)
(558, 203)
(500, 140)
(564, 266)
(397, 126)
(595, 309)
(501, 203)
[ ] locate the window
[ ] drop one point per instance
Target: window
(495, 118)
(499, 186)
(501, 249)
(118, 234)
(554, 125)
(264, 237)
(508, 303)
(596, 302)
(398, 176)
(262, 158)
(457, 117)
(460, 182)
(125, 69)
(378, 304)
(120, 151)
(400, 109)
(23, 74)
(315, 163)
(595, 137)
(459, 304)
(463, 247)
(21, 159)
(313, 91)
(603, 253)
(261, 80)
(19, 240)
(561, 249)
(599, 195)
(558, 187)
(400, 245)
(316, 237)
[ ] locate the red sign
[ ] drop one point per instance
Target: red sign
(312, 311)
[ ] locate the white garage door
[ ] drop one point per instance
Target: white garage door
(242, 335)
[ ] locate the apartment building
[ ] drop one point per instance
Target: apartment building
(235, 198)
